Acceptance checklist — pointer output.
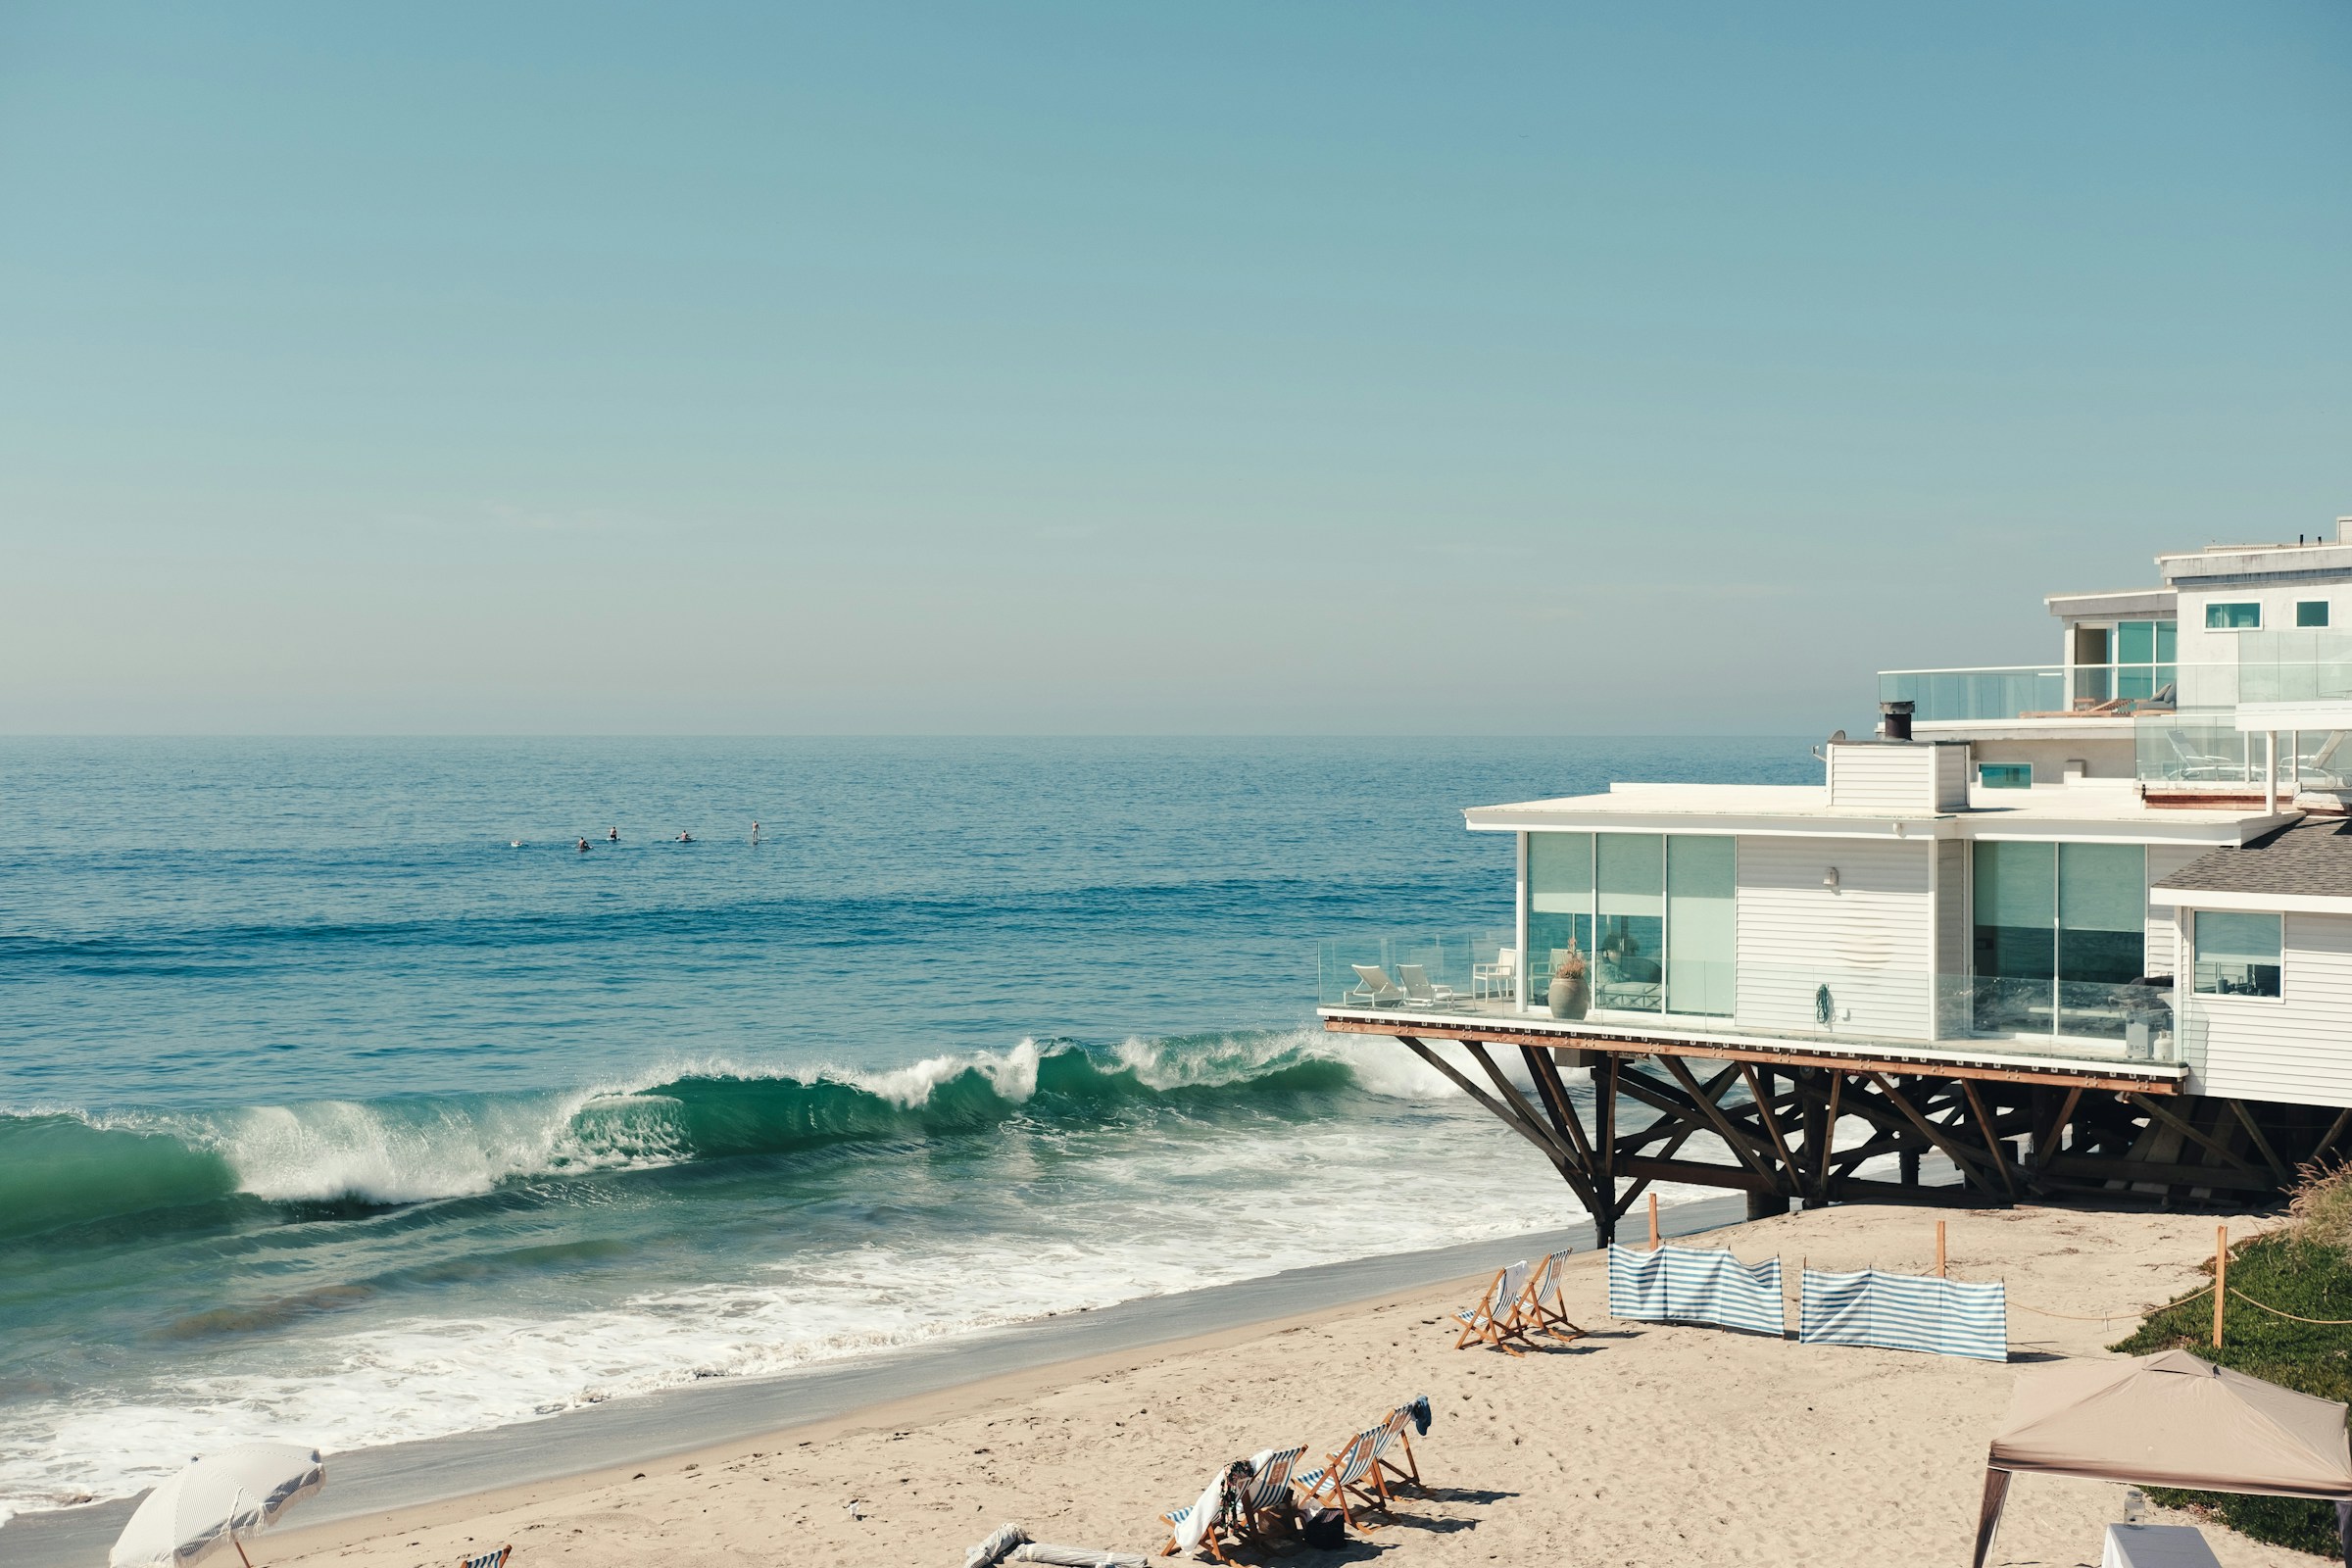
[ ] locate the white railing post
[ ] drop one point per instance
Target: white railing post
(1519, 931)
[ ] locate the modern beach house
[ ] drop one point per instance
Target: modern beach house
(2077, 928)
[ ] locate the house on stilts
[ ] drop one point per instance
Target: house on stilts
(2081, 929)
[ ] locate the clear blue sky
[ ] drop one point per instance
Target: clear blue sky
(1090, 367)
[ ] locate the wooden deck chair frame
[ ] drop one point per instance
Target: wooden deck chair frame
(1268, 1488)
(1543, 1306)
(1208, 1539)
(1368, 1490)
(1400, 1425)
(1494, 1321)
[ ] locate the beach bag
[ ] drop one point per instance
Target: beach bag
(1322, 1528)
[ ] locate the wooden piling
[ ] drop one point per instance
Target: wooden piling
(1654, 1230)
(1940, 1250)
(2221, 1278)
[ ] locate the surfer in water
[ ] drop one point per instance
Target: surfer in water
(614, 836)
(685, 837)
(754, 832)
(583, 845)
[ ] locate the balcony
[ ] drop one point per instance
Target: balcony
(1879, 1010)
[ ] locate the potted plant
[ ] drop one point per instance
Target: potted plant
(1568, 984)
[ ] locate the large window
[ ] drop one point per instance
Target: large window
(1629, 974)
(1559, 902)
(2311, 613)
(2233, 617)
(2133, 658)
(2060, 937)
(1653, 913)
(2236, 954)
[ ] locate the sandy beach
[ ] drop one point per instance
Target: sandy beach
(1638, 1444)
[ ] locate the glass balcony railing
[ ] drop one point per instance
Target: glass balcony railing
(1476, 976)
(1944, 696)
(2272, 668)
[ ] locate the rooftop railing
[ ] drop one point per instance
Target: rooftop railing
(2272, 668)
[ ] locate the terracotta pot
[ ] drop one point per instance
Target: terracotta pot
(1567, 998)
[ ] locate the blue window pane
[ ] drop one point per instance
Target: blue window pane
(2312, 612)
(2233, 617)
(2005, 775)
(2168, 633)
(2136, 643)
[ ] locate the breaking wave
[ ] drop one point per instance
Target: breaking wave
(102, 1170)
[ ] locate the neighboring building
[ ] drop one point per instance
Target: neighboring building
(1968, 940)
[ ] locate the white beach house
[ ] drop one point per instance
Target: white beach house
(2125, 874)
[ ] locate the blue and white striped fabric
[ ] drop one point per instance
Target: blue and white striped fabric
(1906, 1312)
(1692, 1285)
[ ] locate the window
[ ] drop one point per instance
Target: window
(2144, 661)
(2236, 954)
(2233, 617)
(1653, 914)
(2060, 936)
(2005, 775)
(2312, 612)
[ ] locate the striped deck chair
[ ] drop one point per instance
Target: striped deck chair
(1398, 1428)
(1353, 1472)
(488, 1560)
(1543, 1306)
(1268, 1489)
(1494, 1319)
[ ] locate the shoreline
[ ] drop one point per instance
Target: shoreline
(696, 1417)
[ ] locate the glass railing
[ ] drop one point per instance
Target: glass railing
(2272, 668)
(1945, 696)
(1472, 975)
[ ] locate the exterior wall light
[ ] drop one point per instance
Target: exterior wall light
(1829, 879)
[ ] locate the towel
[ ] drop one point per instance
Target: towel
(994, 1549)
(1075, 1556)
(1204, 1513)
(1420, 1413)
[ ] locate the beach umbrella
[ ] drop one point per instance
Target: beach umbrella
(215, 1503)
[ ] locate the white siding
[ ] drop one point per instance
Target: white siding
(1870, 941)
(1884, 778)
(1951, 907)
(1953, 772)
(2294, 1048)
(2163, 861)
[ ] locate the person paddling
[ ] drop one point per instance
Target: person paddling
(614, 836)
(583, 845)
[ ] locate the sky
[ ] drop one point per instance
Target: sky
(1210, 367)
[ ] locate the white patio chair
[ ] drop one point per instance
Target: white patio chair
(1497, 979)
(1420, 991)
(1373, 988)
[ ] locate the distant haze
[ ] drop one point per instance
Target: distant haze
(1221, 368)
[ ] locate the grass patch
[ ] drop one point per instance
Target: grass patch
(2304, 1267)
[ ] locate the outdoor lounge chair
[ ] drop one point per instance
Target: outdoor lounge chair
(1267, 1491)
(1374, 988)
(1420, 991)
(1493, 1321)
(2194, 765)
(488, 1560)
(1353, 1472)
(1397, 1429)
(1543, 1306)
(2318, 772)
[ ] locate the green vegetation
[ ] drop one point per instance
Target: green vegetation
(2304, 1267)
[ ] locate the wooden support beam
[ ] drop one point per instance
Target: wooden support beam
(1793, 1180)
(1992, 1138)
(2336, 1130)
(1829, 1135)
(1564, 1157)
(2180, 1124)
(1967, 1159)
(2287, 1178)
(1518, 1124)
(2106, 1168)
(2046, 1138)
(1546, 1075)
(1736, 1138)
(1695, 1172)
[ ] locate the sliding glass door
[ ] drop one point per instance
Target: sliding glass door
(1653, 913)
(2060, 937)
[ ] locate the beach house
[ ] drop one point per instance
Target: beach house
(2083, 927)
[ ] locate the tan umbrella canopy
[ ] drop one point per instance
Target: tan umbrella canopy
(2165, 1420)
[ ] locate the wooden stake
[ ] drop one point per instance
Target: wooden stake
(1940, 1250)
(1653, 1234)
(2221, 1278)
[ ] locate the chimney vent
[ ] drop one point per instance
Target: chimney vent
(1894, 720)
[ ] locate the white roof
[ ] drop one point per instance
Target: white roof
(2069, 811)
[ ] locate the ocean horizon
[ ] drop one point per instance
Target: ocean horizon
(346, 1098)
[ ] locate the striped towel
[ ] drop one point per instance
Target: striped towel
(1906, 1312)
(1696, 1284)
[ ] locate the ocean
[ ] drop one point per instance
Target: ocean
(343, 1099)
